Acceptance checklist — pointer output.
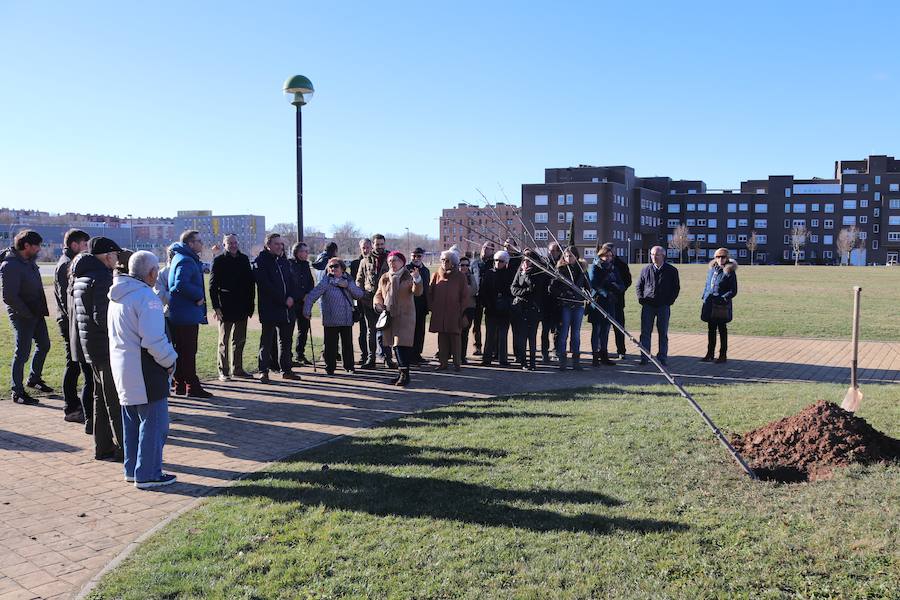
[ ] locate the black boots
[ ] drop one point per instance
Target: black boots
(604, 359)
(722, 357)
(576, 361)
(595, 361)
(403, 378)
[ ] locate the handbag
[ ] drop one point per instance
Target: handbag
(718, 312)
(384, 320)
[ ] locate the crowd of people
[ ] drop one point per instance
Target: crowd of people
(130, 328)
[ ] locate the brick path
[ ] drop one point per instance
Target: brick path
(64, 517)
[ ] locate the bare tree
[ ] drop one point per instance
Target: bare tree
(347, 238)
(846, 241)
(752, 244)
(680, 241)
(288, 232)
(798, 240)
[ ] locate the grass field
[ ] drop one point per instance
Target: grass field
(617, 492)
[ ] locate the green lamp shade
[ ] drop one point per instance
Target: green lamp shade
(298, 84)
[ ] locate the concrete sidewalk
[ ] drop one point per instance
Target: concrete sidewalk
(65, 516)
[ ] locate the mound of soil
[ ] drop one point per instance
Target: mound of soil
(809, 445)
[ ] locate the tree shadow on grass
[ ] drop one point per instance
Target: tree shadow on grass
(389, 450)
(447, 418)
(383, 495)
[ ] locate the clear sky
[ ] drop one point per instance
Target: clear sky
(147, 108)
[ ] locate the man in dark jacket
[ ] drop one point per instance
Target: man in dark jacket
(624, 273)
(365, 249)
(482, 266)
(304, 281)
(26, 305)
(75, 242)
(496, 296)
(330, 251)
(421, 303)
(370, 271)
(277, 293)
(550, 316)
(93, 276)
(232, 290)
(657, 289)
(187, 311)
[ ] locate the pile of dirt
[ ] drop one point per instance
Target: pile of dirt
(807, 446)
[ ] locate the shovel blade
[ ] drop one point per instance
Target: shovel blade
(852, 399)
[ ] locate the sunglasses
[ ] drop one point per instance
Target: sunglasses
(721, 256)
(334, 266)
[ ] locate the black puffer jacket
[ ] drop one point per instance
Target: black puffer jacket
(529, 289)
(92, 281)
(21, 286)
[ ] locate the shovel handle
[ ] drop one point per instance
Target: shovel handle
(854, 383)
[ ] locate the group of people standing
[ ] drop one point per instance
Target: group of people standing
(130, 328)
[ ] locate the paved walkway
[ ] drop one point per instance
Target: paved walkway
(64, 516)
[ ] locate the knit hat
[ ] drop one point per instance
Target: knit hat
(102, 245)
(398, 254)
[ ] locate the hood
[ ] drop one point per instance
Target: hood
(181, 248)
(11, 254)
(86, 263)
(125, 285)
(729, 267)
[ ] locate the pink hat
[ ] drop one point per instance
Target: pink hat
(398, 254)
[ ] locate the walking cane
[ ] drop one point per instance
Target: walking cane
(313, 345)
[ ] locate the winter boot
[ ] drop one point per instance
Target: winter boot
(562, 362)
(389, 362)
(403, 381)
(722, 358)
(604, 359)
(595, 360)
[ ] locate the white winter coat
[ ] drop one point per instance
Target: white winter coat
(140, 353)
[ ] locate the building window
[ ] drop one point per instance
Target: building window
(562, 234)
(894, 203)
(814, 239)
(815, 208)
(590, 198)
(814, 223)
(878, 180)
(876, 212)
(787, 223)
(761, 238)
(673, 223)
(829, 223)
(561, 199)
(701, 207)
(570, 198)
(894, 236)
(799, 208)
(701, 222)
(827, 254)
(863, 235)
(893, 220)
(540, 217)
(712, 238)
(691, 207)
(743, 207)
(760, 208)
(712, 208)
(849, 204)
(570, 217)
(731, 223)
(894, 187)
(674, 208)
(828, 240)
(560, 217)
(742, 253)
(541, 234)
(691, 222)
(849, 220)
(742, 222)
(760, 190)
(712, 223)
(742, 238)
(787, 239)
(877, 196)
(787, 192)
(863, 220)
(874, 244)
(829, 208)
(730, 238)
(798, 223)
(589, 235)
(540, 200)
(875, 228)
(849, 188)
(590, 217)
(590, 252)
(761, 223)
(732, 208)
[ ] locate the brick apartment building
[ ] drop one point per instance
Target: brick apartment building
(470, 226)
(612, 204)
(249, 229)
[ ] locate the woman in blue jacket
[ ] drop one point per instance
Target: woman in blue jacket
(337, 291)
(721, 287)
(607, 287)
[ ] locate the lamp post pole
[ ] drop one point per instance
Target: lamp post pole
(628, 260)
(299, 173)
(299, 90)
(131, 227)
(408, 249)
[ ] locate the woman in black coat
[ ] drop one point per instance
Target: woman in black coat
(529, 288)
(721, 287)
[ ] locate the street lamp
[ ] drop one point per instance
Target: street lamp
(299, 90)
(628, 260)
(408, 248)
(131, 227)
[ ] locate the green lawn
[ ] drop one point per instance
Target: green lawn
(807, 301)
(618, 492)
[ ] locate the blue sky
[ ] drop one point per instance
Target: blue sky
(148, 108)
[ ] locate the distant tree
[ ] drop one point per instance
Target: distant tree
(347, 237)
(798, 240)
(288, 232)
(846, 242)
(752, 244)
(680, 241)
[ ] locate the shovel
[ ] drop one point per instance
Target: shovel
(854, 395)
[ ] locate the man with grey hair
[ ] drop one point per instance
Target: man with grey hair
(657, 289)
(142, 360)
(232, 291)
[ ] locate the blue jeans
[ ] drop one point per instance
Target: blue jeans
(570, 327)
(661, 315)
(25, 330)
(145, 427)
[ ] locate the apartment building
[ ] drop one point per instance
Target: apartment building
(468, 226)
(249, 229)
(864, 194)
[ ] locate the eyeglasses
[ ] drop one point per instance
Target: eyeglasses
(721, 256)
(334, 266)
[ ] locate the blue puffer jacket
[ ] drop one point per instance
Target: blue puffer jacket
(186, 288)
(337, 302)
(721, 286)
(607, 287)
